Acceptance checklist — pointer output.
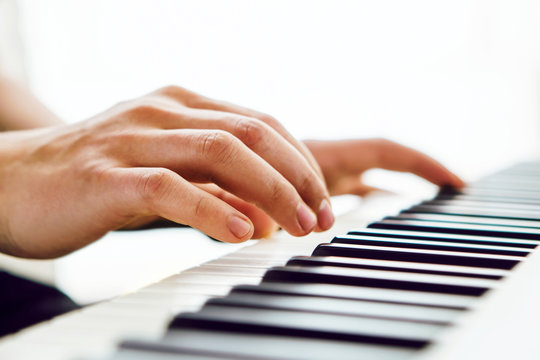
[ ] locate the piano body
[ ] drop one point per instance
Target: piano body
(455, 277)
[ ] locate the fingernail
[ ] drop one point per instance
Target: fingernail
(239, 227)
(306, 217)
(325, 216)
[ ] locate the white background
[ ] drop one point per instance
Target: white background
(458, 79)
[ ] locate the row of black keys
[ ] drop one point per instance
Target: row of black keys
(382, 292)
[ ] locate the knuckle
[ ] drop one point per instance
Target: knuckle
(115, 140)
(277, 192)
(98, 172)
(218, 146)
(153, 185)
(306, 183)
(250, 131)
(171, 90)
(201, 207)
(179, 94)
(144, 109)
(270, 120)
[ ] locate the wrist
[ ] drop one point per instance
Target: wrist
(15, 147)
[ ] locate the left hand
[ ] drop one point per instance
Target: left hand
(344, 161)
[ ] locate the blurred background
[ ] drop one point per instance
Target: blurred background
(456, 79)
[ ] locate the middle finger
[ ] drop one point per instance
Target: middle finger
(268, 144)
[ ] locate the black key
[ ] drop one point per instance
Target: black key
(525, 224)
(493, 198)
(433, 236)
(512, 194)
(457, 228)
(401, 266)
(327, 305)
(380, 279)
(484, 205)
(447, 301)
(417, 255)
(244, 345)
(476, 212)
(429, 244)
(310, 325)
(503, 187)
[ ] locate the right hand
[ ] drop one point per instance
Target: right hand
(66, 186)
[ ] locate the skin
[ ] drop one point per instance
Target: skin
(228, 171)
(344, 161)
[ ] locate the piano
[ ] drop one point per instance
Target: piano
(453, 277)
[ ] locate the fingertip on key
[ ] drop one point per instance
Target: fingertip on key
(306, 218)
(458, 182)
(240, 227)
(325, 217)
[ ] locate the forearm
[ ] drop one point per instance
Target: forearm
(20, 109)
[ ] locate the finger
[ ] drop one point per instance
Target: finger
(218, 157)
(385, 154)
(264, 141)
(362, 189)
(260, 138)
(273, 148)
(394, 156)
(161, 192)
(197, 101)
(263, 224)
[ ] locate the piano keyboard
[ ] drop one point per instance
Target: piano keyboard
(444, 278)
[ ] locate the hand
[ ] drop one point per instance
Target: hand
(343, 163)
(64, 187)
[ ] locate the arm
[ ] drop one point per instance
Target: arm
(64, 186)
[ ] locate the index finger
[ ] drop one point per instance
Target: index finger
(385, 154)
